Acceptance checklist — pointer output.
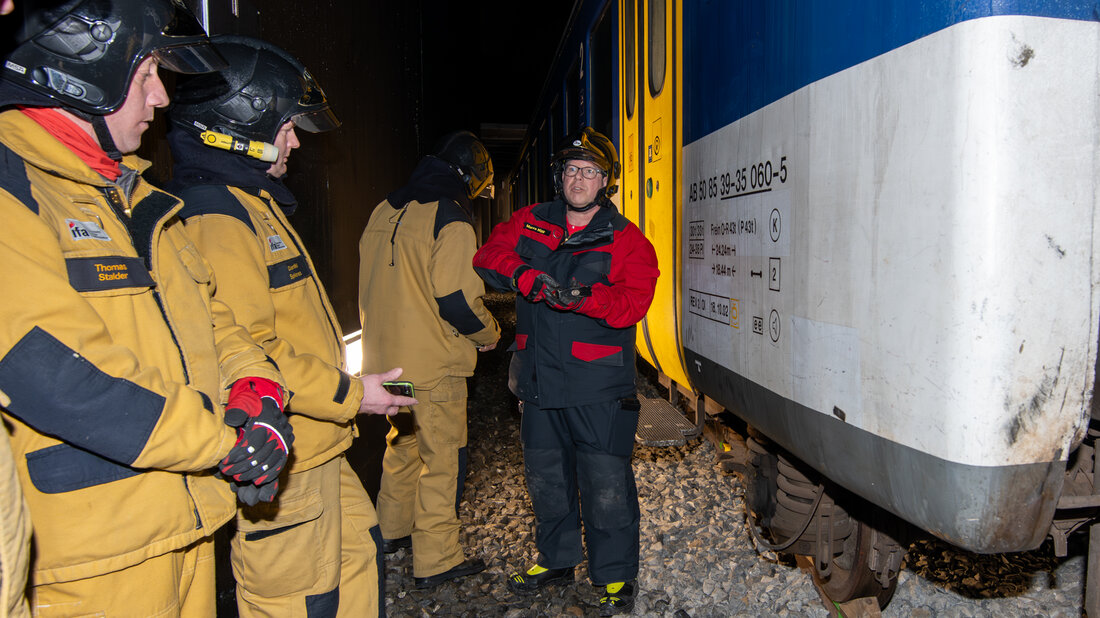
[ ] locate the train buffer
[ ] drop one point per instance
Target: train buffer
(662, 424)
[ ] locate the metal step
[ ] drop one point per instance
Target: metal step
(661, 424)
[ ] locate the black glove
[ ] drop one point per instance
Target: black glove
(568, 299)
(263, 444)
(533, 284)
(252, 495)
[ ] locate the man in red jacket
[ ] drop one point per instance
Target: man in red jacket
(585, 276)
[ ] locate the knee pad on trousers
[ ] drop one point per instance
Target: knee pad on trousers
(546, 484)
(608, 493)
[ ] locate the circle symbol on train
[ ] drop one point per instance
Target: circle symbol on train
(773, 325)
(776, 225)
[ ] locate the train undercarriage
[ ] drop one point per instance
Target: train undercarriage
(854, 550)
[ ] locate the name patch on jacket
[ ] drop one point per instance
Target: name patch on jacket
(86, 230)
(288, 271)
(536, 229)
(93, 274)
(275, 243)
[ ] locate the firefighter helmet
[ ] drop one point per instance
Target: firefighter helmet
(263, 88)
(467, 156)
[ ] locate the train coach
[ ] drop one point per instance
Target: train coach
(877, 229)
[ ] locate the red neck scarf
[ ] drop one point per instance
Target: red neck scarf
(75, 139)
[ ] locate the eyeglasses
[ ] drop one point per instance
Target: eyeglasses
(588, 172)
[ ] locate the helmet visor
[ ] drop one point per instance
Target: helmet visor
(316, 121)
(316, 115)
(183, 46)
(191, 58)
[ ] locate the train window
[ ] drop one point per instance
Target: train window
(600, 76)
(554, 121)
(548, 143)
(574, 99)
(629, 70)
(656, 46)
(542, 161)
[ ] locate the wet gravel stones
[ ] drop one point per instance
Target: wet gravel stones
(697, 559)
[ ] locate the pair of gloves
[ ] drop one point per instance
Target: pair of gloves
(264, 437)
(536, 285)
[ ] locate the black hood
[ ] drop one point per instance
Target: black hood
(199, 164)
(432, 180)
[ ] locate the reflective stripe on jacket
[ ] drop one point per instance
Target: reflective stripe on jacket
(573, 358)
(109, 368)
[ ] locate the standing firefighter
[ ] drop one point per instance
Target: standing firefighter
(420, 304)
(114, 357)
(585, 276)
(314, 550)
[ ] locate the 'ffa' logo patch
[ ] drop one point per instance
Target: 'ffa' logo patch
(275, 243)
(536, 229)
(84, 230)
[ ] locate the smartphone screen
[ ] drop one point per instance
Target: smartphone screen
(399, 388)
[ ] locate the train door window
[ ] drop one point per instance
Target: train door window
(521, 187)
(600, 74)
(538, 160)
(656, 46)
(554, 121)
(574, 99)
(629, 69)
(528, 194)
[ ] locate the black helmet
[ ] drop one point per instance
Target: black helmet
(588, 145)
(83, 53)
(263, 88)
(469, 158)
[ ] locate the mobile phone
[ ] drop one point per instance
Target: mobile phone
(399, 388)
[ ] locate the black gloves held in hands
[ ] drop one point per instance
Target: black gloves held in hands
(567, 299)
(536, 285)
(264, 438)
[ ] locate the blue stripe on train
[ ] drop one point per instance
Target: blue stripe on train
(741, 56)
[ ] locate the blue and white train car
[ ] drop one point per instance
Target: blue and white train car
(904, 226)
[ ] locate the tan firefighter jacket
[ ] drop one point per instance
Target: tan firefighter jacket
(110, 347)
(266, 276)
(419, 298)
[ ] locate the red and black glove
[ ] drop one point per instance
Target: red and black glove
(264, 435)
(254, 494)
(533, 284)
(568, 299)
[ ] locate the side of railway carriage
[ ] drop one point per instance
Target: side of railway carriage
(876, 223)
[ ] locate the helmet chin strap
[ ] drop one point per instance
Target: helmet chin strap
(582, 208)
(102, 132)
(106, 142)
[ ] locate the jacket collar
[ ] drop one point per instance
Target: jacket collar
(37, 147)
(555, 211)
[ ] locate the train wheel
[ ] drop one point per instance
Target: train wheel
(849, 575)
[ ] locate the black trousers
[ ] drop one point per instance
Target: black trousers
(584, 452)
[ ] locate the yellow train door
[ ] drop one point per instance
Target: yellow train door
(650, 83)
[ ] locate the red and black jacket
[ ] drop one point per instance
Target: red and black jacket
(572, 358)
